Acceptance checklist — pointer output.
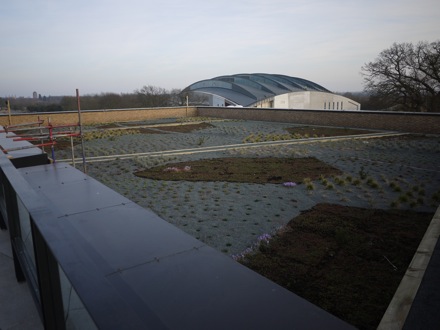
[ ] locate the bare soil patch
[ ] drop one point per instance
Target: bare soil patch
(184, 128)
(250, 170)
(145, 130)
(325, 131)
(347, 260)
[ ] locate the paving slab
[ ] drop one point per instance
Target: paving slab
(17, 308)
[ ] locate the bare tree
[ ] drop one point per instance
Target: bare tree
(177, 98)
(406, 76)
(152, 96)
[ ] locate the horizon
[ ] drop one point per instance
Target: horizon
(119, 93)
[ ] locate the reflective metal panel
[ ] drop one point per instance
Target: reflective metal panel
(76, 315)
(26, 232)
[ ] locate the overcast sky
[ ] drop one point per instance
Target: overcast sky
(55, 46)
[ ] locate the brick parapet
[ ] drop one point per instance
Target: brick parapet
(89, 117)
(426, 123)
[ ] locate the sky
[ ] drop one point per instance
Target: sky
(54, 47)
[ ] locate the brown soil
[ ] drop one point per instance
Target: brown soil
(64, 143)
(146, 130)
(251, 170)
(184, 128)
(325, 131)
(347, 260)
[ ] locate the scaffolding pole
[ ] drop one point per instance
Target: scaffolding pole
(80, 131)
(9, 112)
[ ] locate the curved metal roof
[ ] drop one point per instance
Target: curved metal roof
(248, 88)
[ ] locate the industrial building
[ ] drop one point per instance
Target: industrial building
(264, 90)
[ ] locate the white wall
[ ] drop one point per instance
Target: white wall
(314, 100)
(216, 101)
(281, 101)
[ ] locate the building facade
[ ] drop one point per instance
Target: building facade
(264, 90)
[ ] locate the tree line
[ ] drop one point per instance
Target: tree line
(145, 97)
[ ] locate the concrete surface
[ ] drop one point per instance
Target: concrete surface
(17, 308)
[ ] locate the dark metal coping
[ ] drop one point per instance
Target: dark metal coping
(19, 154)
(22, 153)
(132, 269)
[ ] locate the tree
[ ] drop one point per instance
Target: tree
(147, 96)
(152, 96)
(110, 101)
(45, 108)
(406, 77)
(177, 98)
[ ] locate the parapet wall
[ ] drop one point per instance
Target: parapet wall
(427, 123)
(412, 122)
(89, 117)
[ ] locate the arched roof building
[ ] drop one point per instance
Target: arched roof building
(270, 90)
